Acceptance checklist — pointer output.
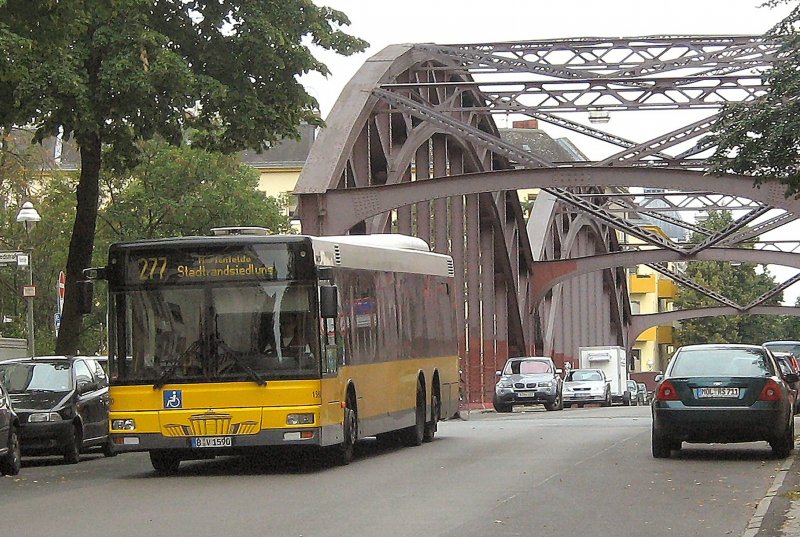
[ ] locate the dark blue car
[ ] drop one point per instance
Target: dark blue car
(10, 460)
(61, 402)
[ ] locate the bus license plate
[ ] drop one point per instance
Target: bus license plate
(212, 441)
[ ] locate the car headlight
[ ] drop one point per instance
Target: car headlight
(41, 417)
(504, 384)
(546, 384)
(299, 419)
(567, 388)
(127, 424)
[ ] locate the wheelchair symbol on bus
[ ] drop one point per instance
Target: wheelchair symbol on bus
(173, 399)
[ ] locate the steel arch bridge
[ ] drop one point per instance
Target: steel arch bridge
(412, 146)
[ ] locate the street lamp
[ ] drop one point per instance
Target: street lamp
(28, 217)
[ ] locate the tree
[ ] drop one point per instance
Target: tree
(761, 137)
(741, 283)
(110, 73)
(178, 191)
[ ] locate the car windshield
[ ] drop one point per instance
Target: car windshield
(585, 375)
(722, 362)
(25, 377)
(527, 367)
(632, 386)
(791, 347)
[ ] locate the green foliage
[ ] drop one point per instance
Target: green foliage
(178, 191)
(741, 283)
(761, 137)
(111, 73)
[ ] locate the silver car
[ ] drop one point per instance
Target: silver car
(586, 386)
(528, 380)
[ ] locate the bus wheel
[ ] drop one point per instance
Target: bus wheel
(165, 462)
(431, 426)
(342, 454)
(413, 436)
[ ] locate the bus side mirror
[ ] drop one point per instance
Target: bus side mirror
(85, 290)
(328, 302)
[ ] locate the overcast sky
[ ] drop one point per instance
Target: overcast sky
(385, 22)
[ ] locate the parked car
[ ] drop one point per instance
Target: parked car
(788, 364)
(644, 392)
(61, 402)
(723, 393)
(10, 457)
(528, 380)
(586, 386)
(636, 396)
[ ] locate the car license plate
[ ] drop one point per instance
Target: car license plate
(705, 393)
(212, 441)
(526, 394)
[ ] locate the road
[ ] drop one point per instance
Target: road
(577, 472)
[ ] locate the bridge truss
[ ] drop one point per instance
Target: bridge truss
(414, 145)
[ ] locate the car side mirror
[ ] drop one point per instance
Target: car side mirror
(659, 378)
(498, 373)
(791, 377)
(84, 386)
(559, 371)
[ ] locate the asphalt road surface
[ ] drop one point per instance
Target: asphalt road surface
(577, 472)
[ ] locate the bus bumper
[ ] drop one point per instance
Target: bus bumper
(132, 441)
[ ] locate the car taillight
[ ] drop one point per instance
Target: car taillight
(667, 392)
(770, 392)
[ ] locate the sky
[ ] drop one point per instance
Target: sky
(384, 22)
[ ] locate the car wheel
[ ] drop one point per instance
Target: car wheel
(72, 451)
(661, 445)
(165, 462)
(607, 402)
(784, 445)
(108, 449)
(12, 462)
(626, 399)
(567, 405)
(557, 404)
(501, 408)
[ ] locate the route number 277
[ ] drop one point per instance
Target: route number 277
(152, 268)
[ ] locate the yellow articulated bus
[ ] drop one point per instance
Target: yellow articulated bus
(242, 339)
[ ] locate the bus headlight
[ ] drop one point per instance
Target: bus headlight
(299, 419)
(40, 417)
(123, 425)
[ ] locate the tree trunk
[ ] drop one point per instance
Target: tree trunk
(81, 244)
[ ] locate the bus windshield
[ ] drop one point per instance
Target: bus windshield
(210, 333)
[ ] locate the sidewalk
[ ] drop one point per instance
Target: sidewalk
(778, 514)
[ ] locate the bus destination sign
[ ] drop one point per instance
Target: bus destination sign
(151, 268)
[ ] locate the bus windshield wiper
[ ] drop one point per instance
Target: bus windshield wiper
(233, 355)
(167, 374)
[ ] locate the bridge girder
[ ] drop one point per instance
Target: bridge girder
(412, 146)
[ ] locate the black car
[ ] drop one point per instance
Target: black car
(10, 460)
(723, 393)
(528, 380)
(62, 404)
(788, 364)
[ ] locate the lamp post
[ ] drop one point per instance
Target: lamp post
(28, 216)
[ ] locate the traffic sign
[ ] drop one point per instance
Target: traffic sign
(9, 257)
(61, 289)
